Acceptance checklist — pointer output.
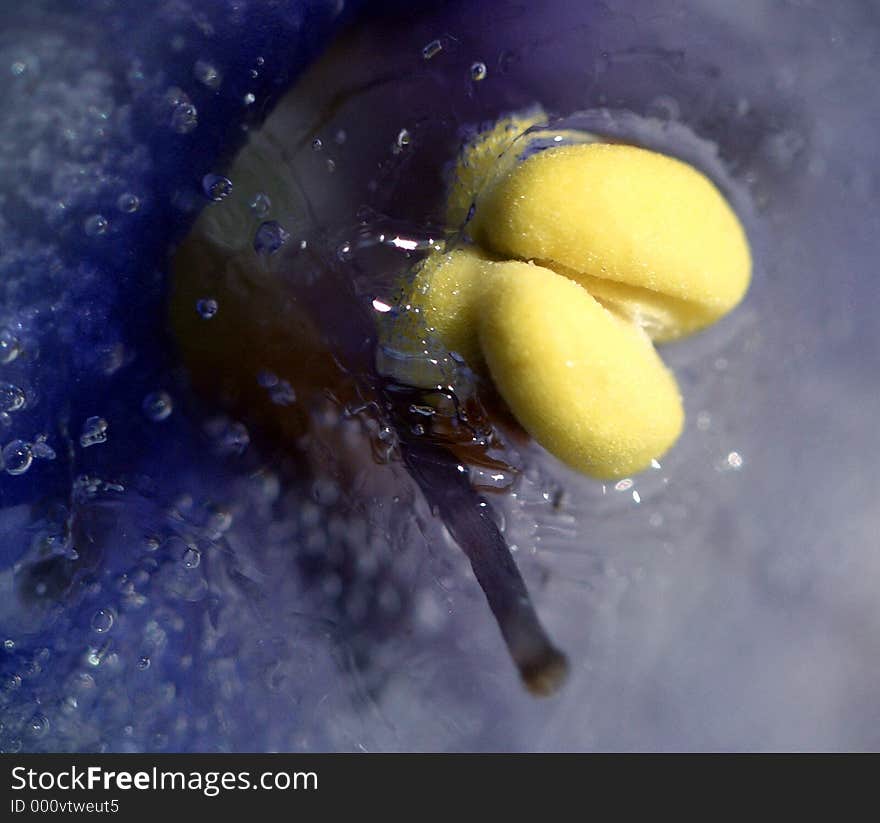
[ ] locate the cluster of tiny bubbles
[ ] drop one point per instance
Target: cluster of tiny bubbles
(94, 432)
(270, 237)
(157, 406)
(183, 117)
(96, 225)
(102, 621)
(207, 74)
(478, 71)
(128, 203)
(216, 187)
(207, 307)
(10, 346)
(17, 457)
(12, 398)
(432, 49)
(260, 205)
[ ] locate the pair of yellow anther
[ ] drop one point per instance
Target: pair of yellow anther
(585, 254)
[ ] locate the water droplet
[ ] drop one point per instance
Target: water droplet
(94, 432)
(144, 663)
(12, 398)
(250, 99)
(191, 557)
(734, 461)
(404, 138)
(260, 205)
(158, 405)
(432, 49)
(207, 74)
(207, 307)
(9, 645)
(478, 71)
(270, 237)
(128, 203)
(96, 225)
(216, 187)
(17, 457)
(10, 346)
(18, 68)
(317, 144)
(102, 621)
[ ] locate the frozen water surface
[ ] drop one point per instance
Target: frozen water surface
(192, 583)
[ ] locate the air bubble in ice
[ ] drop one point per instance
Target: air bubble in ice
(95, 225)
(191, 557)
(39, 725)
(250, 99)
(230, 437)
(432, 49)
(17, 457)
(216, 187)
(128, 203)
(207, 74)
(184, 116)
(41, 450)
(317, 144)
(260, 205)
(10, 346)
(207, 307)
(12, 398)
(478, 71)
(94, 432)
(270, 237)
(404, 138)
(158, 406)
(102, 621)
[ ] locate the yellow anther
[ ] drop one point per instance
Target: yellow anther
(588, 386)
(624, 245)
(642, 231)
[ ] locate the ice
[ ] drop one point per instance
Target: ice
(731, 605)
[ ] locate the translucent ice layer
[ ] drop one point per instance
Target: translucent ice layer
(186, 585)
